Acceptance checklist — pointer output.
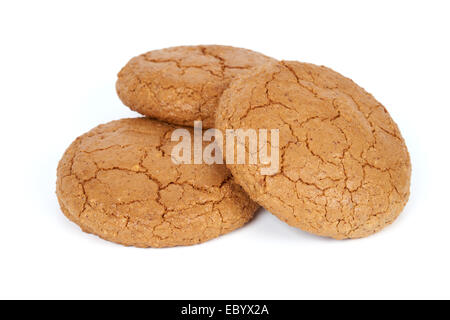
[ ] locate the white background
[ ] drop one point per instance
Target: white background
(58, 66)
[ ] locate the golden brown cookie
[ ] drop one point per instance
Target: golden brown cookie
(118, 181)
(344, 167)
(183, 84)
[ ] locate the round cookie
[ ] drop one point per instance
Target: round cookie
(344, 167)
(118, 181)
(183, 84)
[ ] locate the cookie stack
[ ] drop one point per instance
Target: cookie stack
(344, 169)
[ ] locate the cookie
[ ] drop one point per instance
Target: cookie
(182, 84)
(344, 167)
(118, 181)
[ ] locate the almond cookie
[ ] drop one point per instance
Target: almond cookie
(119, 182)
(183, 84)
(344, 167)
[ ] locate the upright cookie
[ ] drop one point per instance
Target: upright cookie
(118, 181)
(183, 84)
(344, 167)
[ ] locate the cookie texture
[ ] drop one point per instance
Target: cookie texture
(118, 181)
(183, 84)
(344, 167)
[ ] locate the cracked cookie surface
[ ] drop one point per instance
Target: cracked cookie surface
(344, 166)
(183, 84)
(118, 181)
